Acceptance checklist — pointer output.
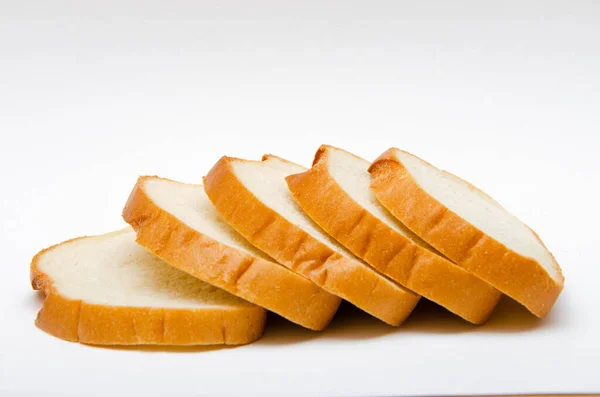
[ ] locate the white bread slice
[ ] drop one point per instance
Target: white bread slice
(177, 222)
(253, 197)
(336, 194)
(109, 290)
(469, 228)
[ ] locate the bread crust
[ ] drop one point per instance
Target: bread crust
(260, 281)
(84, 322)
(299, 251)
(388, 251)
(517, 276)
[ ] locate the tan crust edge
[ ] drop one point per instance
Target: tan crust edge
(519, 277)
(304, 254)
(79, 321)
(396, 256)
(257, 280)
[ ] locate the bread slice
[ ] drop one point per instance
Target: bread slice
(253, 197)
(109, 290)
(177, 222)
(336, 194)
(469, 228)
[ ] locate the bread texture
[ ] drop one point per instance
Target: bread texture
(336, 194)
(177, 222)
(107, 290)
(469, 228)
(253, 197)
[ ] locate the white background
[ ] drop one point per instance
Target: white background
(505, 94)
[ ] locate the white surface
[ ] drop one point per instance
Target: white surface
(113, 270)
(479, 210)
(503, 94)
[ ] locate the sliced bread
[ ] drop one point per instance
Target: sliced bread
(177, 222)
(469, 228)
(109, 290)
(336, 194)
(253, 197)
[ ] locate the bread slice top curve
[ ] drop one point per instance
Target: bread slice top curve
(177, 222)
(336, 194)
(253, 197)
(468, 227)
(108, 290)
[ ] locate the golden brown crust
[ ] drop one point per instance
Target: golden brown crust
(388, 251)
(519, 277)
(257, 280)
(80, 321)
(296, 249)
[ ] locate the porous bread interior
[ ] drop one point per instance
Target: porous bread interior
(113, 270)
(190, 204)
(266, 180)
(352, 175)
(478, 209)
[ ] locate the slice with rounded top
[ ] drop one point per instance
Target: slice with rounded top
(469, 228)
(107, 290)
(253, 197)
(177, 222)
(336, 194)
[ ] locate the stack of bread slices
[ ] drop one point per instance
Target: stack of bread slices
(201, 264)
